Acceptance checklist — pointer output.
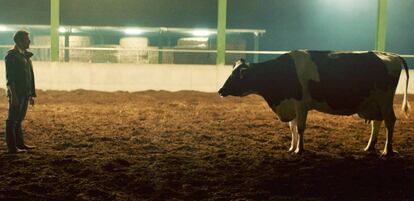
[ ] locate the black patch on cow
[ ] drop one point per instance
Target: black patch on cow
(347, 78)
(276, 80)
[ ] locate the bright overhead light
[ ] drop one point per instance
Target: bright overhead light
(198, 39)
(4, 28)
(201, 32)
(133, 31)
(62, 30)
(87, 28)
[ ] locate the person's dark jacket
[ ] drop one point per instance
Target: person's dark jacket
(19, 71)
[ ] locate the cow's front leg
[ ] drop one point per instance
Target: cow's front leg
(374, 134)
(301, 121)
(294, 129)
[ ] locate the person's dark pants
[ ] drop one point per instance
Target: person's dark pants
(13, 132)
(17, 113)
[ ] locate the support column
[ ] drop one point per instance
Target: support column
(256, 47)
(160, 46)
(67, 46)
(221, 32)
(54, 30)
(381, 25)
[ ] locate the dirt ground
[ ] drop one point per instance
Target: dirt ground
(158, 145)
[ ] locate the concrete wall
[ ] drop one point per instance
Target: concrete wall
(126, 77)
(137, 77)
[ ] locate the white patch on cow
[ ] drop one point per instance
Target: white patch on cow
(285, 111)
(392, 62)
(306, 70)
(337, 53)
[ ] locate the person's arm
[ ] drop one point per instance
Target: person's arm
(11, 78)
(33, 95)
(13, 95)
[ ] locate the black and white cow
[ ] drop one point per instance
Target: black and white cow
(339, 83)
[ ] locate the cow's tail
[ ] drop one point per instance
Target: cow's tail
(405, 103)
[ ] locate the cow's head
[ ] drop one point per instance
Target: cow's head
(238, 83)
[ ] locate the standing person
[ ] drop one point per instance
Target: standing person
(20, 90)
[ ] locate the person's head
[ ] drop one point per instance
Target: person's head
(22, 40)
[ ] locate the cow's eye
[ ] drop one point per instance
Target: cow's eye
(242, 73)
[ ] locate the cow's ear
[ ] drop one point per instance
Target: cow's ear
(239, 62)
(243, 73)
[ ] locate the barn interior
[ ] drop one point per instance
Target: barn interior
(127, 105)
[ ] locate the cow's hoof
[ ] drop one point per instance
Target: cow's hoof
(370, 150)
(291, 150)
(298, 151)
(390, 154)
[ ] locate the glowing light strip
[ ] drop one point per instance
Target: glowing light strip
(175, 50)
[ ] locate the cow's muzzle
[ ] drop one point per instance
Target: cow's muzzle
(222, 93)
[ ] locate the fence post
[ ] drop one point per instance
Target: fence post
(381, 25)
(256, 47)
(221, 32)
(54, 30)
(160, 46)
(67, 46)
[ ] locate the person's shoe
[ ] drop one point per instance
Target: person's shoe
(11, 138)
(19, 137)
(16, 151)
(25, 146)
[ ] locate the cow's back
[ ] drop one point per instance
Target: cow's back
(345, 79)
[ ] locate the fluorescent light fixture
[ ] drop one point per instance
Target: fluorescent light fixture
(198, 39)
(133, 31)
(87, 28)
(74, 30)
(201, 32)
(4, 28)
(62, 30)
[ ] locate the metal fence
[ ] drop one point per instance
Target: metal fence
(150, 55)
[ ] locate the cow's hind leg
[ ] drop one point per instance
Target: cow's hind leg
(389, 120)
(374, 134)
(294, 129)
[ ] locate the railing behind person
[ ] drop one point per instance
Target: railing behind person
(150, 55)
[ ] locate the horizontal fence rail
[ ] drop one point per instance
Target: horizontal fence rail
(42, 53)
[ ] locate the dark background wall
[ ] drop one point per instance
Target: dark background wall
(290, 24)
